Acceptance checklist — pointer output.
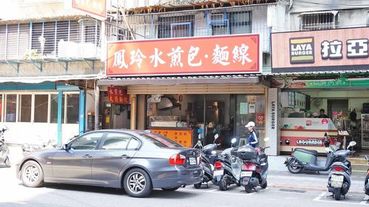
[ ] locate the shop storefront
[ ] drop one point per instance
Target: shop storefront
(190, 87)
(323, 84)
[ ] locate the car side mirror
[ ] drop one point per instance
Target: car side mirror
(66, 147)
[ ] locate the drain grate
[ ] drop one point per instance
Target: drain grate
(293, 191)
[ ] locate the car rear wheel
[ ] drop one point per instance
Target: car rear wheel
(137, 183)
(32, 174)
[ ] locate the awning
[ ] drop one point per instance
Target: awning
(175, 80)
(320, 73)
(40, 79)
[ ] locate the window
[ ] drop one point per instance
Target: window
(181, 29)
(179, 26)
(54, 108)
(72, 108)
(134, 144)
(86, 142)
(116, 141)
(11, 108)
(231, 23)
(160, 140)
(318, 21)
(41, 108)
(92, 33)
(25, 108)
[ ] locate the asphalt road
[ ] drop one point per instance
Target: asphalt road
(284, 190)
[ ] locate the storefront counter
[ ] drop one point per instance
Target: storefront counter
(182, 136)
(306, 133)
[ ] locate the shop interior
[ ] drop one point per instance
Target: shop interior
(205, 115)
(348, 110)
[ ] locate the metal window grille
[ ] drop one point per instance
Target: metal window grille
(181, 26)
(48, 39)
(318, 21)
(197, 22)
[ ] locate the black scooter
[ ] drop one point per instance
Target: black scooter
(4, 150)
(255, 167)
(227, 167)
(208, 157)
(339, 179)
(303, 159)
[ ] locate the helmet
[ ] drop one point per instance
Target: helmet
(250, 124)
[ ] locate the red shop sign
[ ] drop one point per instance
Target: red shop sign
(118, 95)
(195, 55)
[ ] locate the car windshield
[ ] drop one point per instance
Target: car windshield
(160, 140)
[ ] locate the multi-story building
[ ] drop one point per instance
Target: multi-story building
(320, 61)
(49, 61)
(191, 68)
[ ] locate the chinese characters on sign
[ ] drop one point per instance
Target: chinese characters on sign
(118, 95)
(328, 50)
(186, 55)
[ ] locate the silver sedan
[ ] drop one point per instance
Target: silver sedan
(136, 161)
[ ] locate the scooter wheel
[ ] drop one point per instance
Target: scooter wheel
(294, 168)
(223, 184)
(248, 188)
(197, 185)
(264, 185)
(337, 194)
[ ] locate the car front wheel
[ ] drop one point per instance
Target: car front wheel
(137, 183)
(32, 174)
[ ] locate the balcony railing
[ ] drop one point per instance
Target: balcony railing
(197, 22)
(50, 40)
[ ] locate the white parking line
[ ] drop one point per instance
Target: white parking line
(320, 196)
(365, 200)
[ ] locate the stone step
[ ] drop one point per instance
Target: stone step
(358, 160)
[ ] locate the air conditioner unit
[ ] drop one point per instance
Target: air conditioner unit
(218, 19)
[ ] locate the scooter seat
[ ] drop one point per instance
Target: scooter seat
(313, 152)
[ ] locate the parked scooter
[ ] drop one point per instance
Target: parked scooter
(366, 183)
(208, 156)
(228, 167)
(4, 150)
(255, 167)
(339, 179)
(307, 160)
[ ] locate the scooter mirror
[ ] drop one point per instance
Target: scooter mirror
(216, 136)
(233, 141)
(351, 144)
(266, 139)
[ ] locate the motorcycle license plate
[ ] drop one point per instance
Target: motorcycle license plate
(336, 181)
(218, 173)
(246, 173)
(192, 161)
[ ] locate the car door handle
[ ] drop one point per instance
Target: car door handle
(87, 156)
(124, 156)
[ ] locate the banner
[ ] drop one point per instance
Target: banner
(203, 55)
(325, 50)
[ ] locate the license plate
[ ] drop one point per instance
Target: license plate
(218, 173)
(336, 181)
(192, 161)
(246, 173)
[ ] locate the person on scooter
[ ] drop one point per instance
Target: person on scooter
(252, 140)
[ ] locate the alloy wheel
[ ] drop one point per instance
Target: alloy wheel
(136, 182)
